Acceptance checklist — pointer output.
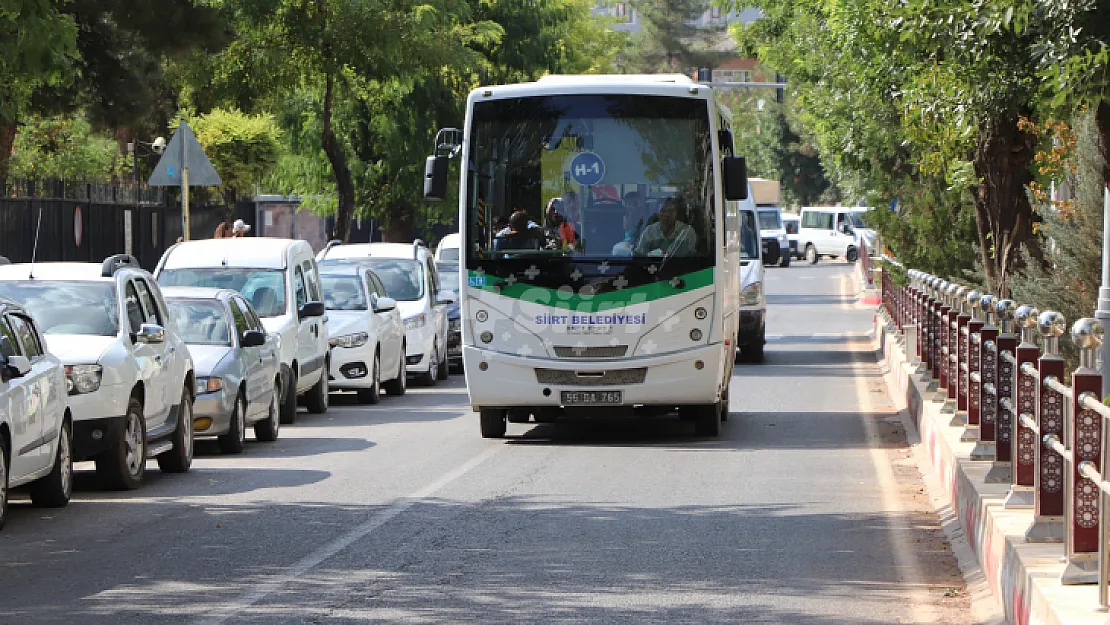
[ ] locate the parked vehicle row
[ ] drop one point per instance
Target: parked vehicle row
(109, 363)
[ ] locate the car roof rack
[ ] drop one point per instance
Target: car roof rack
(4, 260)
(113, 263)
(416, 245)
(328, 247)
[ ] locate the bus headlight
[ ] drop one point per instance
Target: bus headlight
(750, 295)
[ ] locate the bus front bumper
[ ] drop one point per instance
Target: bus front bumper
(674, 379)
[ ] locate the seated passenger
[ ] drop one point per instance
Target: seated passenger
(668, 236)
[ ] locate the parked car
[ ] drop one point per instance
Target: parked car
(280, 279)
(36, 428)
(752, 335)
(448, 249)
(409, 275)
(830, 231)
(367, 334)
(236, 364)
(449, 278)
(776, 245)
(129, 375)
(791, 224)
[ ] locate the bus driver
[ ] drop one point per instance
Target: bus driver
(668, 236)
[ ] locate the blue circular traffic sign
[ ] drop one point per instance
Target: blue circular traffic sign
(587, 168)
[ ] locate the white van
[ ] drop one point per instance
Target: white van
(448, 249)
(280, 279)
(830, 231)
(752, 333)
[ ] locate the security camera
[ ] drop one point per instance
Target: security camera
(159, 145)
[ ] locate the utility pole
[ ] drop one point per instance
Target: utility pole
(1102, 313)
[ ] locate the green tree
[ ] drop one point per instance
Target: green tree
(37, 45)
(64, 148)
(669, 40)
(243, 148)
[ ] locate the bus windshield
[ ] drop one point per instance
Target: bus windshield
(591, 178)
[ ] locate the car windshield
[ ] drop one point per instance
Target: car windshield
(200, 321)
(857, 220)
(68, 307)
(343, 292)
(591, 177)
(449, 277)
(769, 220)
(265, 288)
(749, 240)
(403, 279)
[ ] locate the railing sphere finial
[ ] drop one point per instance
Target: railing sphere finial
(1087, 333)
(1051, 324)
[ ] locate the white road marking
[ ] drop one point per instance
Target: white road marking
(262, 590)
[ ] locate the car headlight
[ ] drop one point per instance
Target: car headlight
(415, 322)
(358, 339)
(209, 385)
(83, 378)
(751, 293)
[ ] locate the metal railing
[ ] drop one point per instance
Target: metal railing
(1049, 440)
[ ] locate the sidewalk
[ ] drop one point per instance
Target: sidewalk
(1023, 578)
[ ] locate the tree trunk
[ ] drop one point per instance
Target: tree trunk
(338, 159)
(8, 130)
(400, 225)
(1005, 217)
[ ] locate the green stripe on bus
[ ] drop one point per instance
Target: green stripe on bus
(566, 298)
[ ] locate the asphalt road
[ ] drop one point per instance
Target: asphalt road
(402, 513)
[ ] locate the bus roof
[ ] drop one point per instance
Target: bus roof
(563, 84)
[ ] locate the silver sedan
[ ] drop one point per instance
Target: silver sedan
(236, 363)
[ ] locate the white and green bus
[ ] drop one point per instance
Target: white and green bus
(600, 226)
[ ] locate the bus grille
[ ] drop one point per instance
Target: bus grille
(563, 377)
(604, 351)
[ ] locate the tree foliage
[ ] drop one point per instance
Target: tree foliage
(63, 147)
(243, 148)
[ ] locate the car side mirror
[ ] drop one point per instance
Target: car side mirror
(846, 228)
(736, 178)
(384, 304)
(252, 338)
(311, 309)
(446, 297)
(13, 367)
(150, 333)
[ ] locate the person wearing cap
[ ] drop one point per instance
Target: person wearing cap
(240, 228)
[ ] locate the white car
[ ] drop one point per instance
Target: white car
(409, 275)
(752, 334)
(792, 223)
(280, 279)
(367, 334)
(448, 249)
(771, 229)
(129, 376)
(830, 231)
(36, 429)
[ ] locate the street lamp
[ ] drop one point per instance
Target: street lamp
(158, 146)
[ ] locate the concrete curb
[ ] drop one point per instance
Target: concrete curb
(1023, 578)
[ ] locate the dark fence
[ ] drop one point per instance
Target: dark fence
(82, 222)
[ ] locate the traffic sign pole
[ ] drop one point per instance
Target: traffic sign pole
(185, 191)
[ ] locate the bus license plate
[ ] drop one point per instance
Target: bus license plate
(591, 398)
(590, 329)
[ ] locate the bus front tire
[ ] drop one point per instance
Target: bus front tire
(493, 422)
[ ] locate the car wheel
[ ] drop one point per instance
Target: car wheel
(785, 261)
(122, 467)
(236, 438)
(54, 490)
(317, 400)
(811, 254)
(707, 419)
(852, 255)
(428, 378)
(398, 385)
(493, 423)
(4, 463)
(289, 405)
(754, 352)
(444, 371)
(180, 457)
(373, 394)
(267, 429)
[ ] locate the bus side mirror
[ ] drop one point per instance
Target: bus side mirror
(435, 178)
(736, 178)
